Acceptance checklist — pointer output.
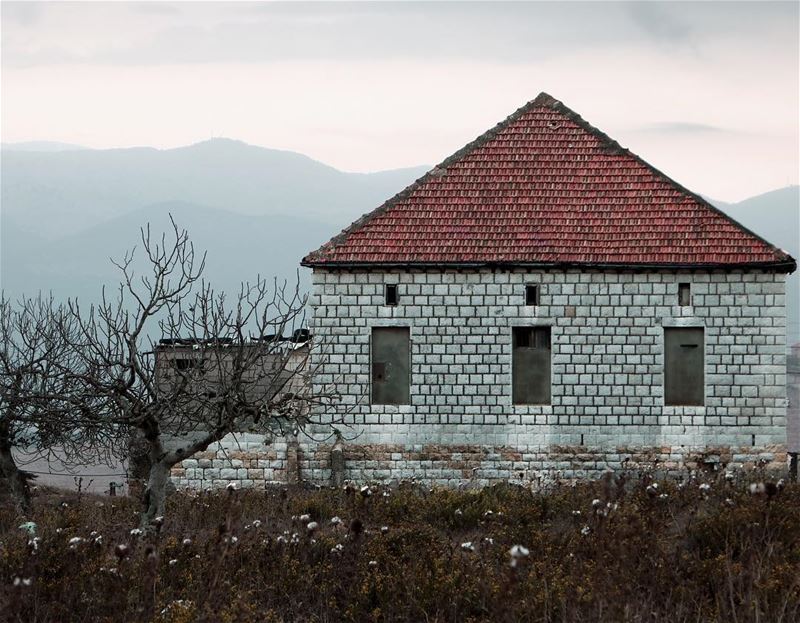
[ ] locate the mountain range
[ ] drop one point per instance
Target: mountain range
(66, 210)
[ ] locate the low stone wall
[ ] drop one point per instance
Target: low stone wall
(248, 460)
(253, 463)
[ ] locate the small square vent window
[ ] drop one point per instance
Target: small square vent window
(391, 294)
(684, 294)
(531, 295)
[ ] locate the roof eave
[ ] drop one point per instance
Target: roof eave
(784, 266)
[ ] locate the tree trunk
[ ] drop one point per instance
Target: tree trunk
(17, 482)
(138, 455)
(155, 494)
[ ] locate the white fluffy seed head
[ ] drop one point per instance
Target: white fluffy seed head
(519, 551)
(757, 487)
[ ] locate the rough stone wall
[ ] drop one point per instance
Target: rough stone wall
(250, 460)
(607, 374)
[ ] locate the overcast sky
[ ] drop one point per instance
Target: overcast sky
(708, 92)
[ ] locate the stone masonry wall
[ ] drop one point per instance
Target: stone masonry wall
(607, 406)
(250, 460)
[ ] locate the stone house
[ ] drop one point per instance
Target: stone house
(542, 304)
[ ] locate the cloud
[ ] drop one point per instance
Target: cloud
(514, 32)
(23, 13)
(210, 32)
(683, 127)
(662, 23)
(158, 8)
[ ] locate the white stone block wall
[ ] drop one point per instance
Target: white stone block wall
(607, 377)
(607, 365)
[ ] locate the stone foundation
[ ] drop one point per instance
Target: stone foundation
(259, 465)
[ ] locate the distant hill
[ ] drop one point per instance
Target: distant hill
(239, 247)
(774, 215)
(255, 210)
(57, 193)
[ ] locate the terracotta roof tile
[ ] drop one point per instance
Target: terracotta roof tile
(545, 187)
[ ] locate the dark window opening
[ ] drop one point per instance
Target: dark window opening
(182, 363)
(531, 365)
(391, 369)
(684, 294)
(531, 295)
(391, 294)
(684, 381)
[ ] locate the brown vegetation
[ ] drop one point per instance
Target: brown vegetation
(619, 549)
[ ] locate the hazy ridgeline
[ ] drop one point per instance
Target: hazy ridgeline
(254, 210)
(67, 210)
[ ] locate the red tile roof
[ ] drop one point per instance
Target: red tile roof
(546, 188)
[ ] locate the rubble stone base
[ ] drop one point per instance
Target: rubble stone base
(251, 463)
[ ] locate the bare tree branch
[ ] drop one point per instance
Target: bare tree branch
(221, 364)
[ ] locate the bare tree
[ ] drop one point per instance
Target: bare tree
(39, 408)
(182, 366)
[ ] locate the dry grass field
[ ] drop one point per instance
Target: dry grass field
(625, 548)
